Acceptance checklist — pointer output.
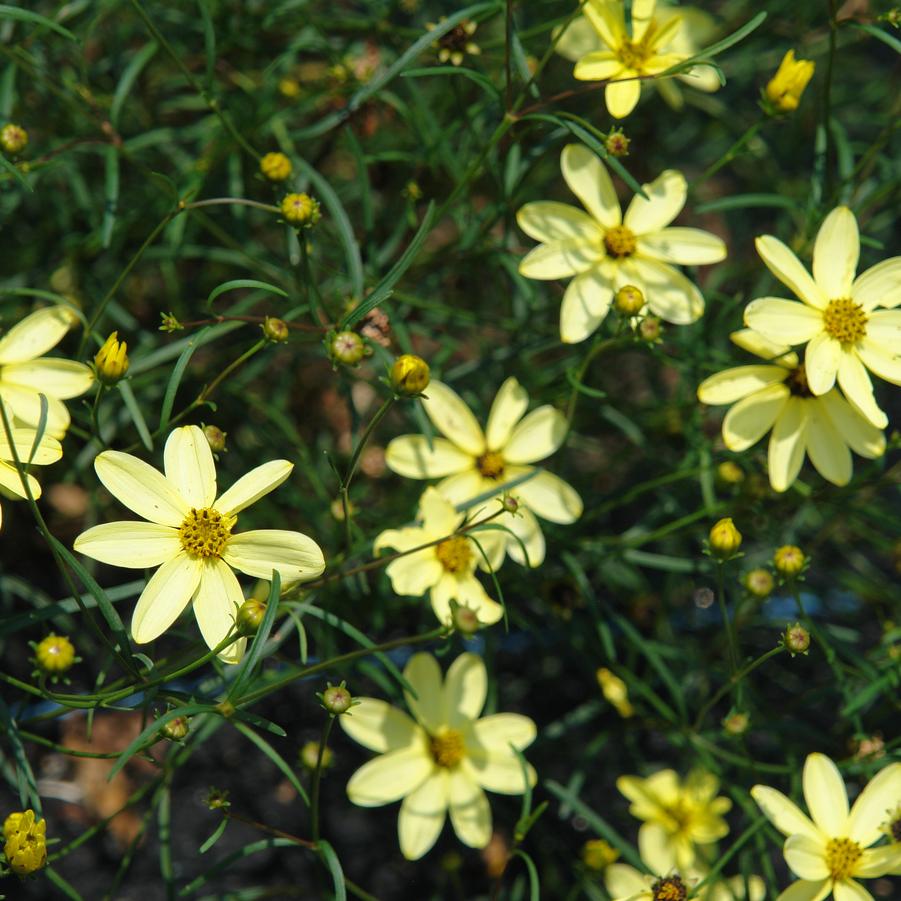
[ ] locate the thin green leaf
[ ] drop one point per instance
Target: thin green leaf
(128, 78)
(274, 756)
(242, 283)
(137, 417)
(175, 379)
(14, 170)
(715, 49)
(258, 645)
(24, 15)
(476, 77)
(879, 34)
(534, 882)
(334, 867)
(217, 834)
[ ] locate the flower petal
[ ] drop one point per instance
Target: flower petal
(821, 362)
(390, 777)
(416, 573)
(498, 772)
(295, 556)
(11, 480)
(806, 857)
(559, 259)
(863, 437)
(836, 253)
(855, 382)
(784, 814)
(136, 545)
(465, 689)
(48, 450)
(598, 65)
(685, 246)
(882, 793)
(884, 328)
(469, 811)
(787, 444)
(399, 539)
(25, 404)
(588, 179)
(585, 305)
(497, 732)
(827, 450)
(526, 545)
(141, 488)
(216, 604)
(537, 436)
(642, 18)
(439, 518)
(462, 487)
(467, 591)
(751, 418)
(734, 384)
(666, 197)
(164, 597)
(607, 19)
(880, 360)
(825, 794)
(453, 418)
(188, 464)
(379, 726)
(879, 286)
(783, 321)
(549, 497)
(623, 881)
(881, 861)
(510, 403)
(669, 294)
(421, 817)
(36, 334)
(621, 95)
(804, 890)
(849, 890)
(415, 457)
(55, 378)
(789, 270)
(252, 486)
(753, 342)
(548, 221)
(424, 675)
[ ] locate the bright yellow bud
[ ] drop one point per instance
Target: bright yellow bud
(26, 845)
(787, 85)
(598, 855)
(111, 361)
(725, 539)
(615, 691)
(275, 166)
(13, 138)
(409, 375)
(301, 210)
(789, 560)
(55, 654)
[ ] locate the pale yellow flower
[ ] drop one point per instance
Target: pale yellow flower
(605, 250)
(190, 537)
(840, 316)
(777, 396)
(440, 761)
(832, 849)
(785, 88)
(47, 450)
(678, 815)
(25, 374)
(471, 463)
(447, 569)
(696, 29)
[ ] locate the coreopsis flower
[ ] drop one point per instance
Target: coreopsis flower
(111, 361)
(849, 322)
(446, 569)
(674, 33)
(679, 815)
(784, 89)
(471, 463)
(25, 846)
(47, 450)
(190, 537)
(605, 250)
(777, 396)
(442, 759)
(830, 850)
(25, 374)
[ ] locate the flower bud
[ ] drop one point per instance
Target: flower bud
(629, 301)
(175, 729)
(275, 166)
(250, 616)
(215, 437)
(336, 699)
(597, 854)
(510, 503)
(25, 845)
(289, 88)
(13, 138)
(347, 348)
(730, 473)
(465, 620)
(650, 330)
(785, 88)
(111, 361)
(55, 654)
(409, 375)
(725, 539)
(759, 582)
(789, 561)
(615, 691)
(616, 143)
(275, 330)
(301, 210)
(736, 723)
(309, 756)
(217, 799)
(796, 639)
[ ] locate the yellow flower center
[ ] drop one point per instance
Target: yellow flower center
(447, 748)
(205, 532)
(797, 382)
(845, 320)
(634, 55)
(670, 889)
(619, 241)
(455, 554)
(491, 465)
(841, 857)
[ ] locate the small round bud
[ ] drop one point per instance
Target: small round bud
(309, 755)
(13, 138)
(789, 560)
(55, 654)
(275, 166)
(616, 143)
(25, 845)
(725, 539)
(250, 616)
(175, 729)
(225, 709)
(736, 723)
(301, 210)
(465, 620)
(511, 504)
(275, 330)
(347, 348)
(759, 582)
(629, 301)
(729, 473)
(597, 854)
(650, 330)
(412, 191)
(796, 639)
(289, 88)
(111, 361)
(215, 437)
(409, 375)
(217, 799)
(336, 699)
(336, 508)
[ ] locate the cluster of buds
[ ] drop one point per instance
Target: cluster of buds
(409, 376)
(25, 845)
(111, 361)
(454, 46)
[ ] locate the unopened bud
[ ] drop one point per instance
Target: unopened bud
(725, 539)
(275, 330)
(616, 143)
(301, 210)
(629, 301)
(336, 699)
(175, 729)
(759, 582)
(111, 361)
(796, 639)
(736, 723)
(25, 842)
(217, 799)
(597, 854)
(615, 691)
(215, 437)
(789, 560)
(650, 329)
(730, 473)
(409, 375)
(511, 504)
(275, 166)
(347, 348)
(465, 620)
(309, 756)
(55, 654)
(250, 616)
(13, 138)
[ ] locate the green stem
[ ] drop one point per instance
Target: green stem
(730, 154)
(596, 350)
(317, 777)
(827, 93)
(312, 290)
(727, 622)
(239, 201)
